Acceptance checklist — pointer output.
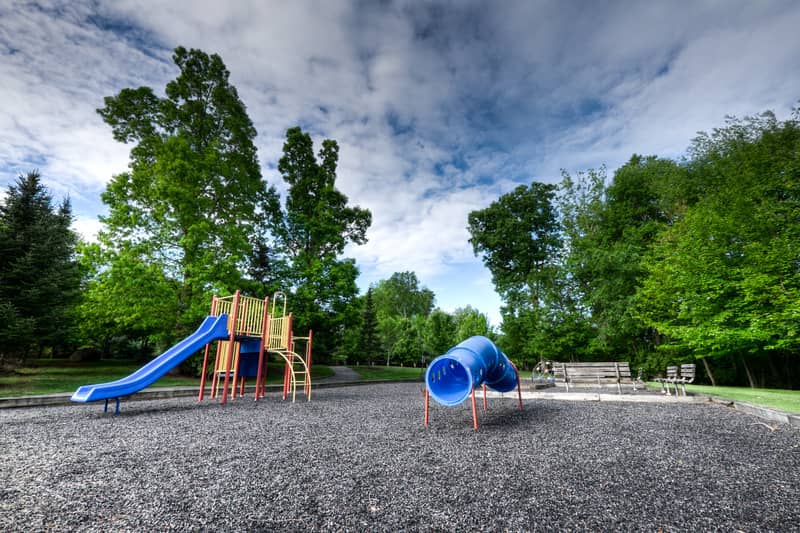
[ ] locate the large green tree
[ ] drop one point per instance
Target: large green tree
(39, 276)
(399, 301)
(724, 280)
(188, 204)
(608, 230)
(309, 234)
(519, 239)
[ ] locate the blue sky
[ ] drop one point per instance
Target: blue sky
(439, 107)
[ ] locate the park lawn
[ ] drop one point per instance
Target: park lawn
(388, 373)
(783, 400)
(52, 376)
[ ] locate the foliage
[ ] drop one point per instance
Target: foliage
(469, 322)
(609, 229)
(519, 239)
(39, 277)
(182, 218)
(668, 262)
(440, 332)
(309, 234)
(724, 280)
(368, 342)
(402, 296)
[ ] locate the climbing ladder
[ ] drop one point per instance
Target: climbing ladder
(281, 341)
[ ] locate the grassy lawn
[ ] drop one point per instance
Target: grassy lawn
(378, 373)
(783, 400)
(56, 376)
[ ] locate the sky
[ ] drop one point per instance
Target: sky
(439, 107)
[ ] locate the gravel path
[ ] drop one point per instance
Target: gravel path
(359, 458)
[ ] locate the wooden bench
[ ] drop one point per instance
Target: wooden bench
(616, 373)
(687, 374)
(670, 377)
(678, 376)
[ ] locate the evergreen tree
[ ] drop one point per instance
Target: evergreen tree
(368, 342)
(39, 277)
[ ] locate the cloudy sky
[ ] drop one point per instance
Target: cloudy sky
(439, 107)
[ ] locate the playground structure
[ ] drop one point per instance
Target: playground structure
(246, 334)
(475, 362)
(255, 333)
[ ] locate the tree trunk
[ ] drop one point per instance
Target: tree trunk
(747, 371)
(708, 372)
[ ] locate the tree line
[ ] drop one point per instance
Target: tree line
(665, 262)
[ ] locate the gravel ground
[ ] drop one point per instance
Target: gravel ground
(359, 458)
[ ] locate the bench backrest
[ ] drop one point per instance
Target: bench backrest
(688, 371)
(606, 370)
(672, 372)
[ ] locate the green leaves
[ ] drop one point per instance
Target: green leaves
(518, 237)
(182, 221)
(310, 233)
(724, 278)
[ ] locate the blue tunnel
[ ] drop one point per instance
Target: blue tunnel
(471, 363)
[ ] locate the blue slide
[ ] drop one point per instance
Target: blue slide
(212, 328)
(451, 377)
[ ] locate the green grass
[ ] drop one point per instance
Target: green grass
(378, 373)
(783, 400)
(47, 376)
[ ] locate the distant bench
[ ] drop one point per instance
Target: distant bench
(600, 374)
(675, 376)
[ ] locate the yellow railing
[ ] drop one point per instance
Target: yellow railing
(249, 317)
(279, 333)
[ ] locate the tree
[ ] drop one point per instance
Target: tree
(519, 239)
(368, 342)
(723, 279)
(609, 230)
(399, 300)
(310, 233)
(188, 205)
(39, 277)
(469, 322)
(440, 332)
(402, 296)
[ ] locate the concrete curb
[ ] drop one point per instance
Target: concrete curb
(596, 397)
(758, 411)
(765, 413)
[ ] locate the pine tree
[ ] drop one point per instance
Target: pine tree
(368, 345)
(39, 277)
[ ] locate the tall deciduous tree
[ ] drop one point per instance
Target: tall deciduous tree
(440, 332)
(724, 279)
(609, 229)
(402, 296)
(187, 206)
(39, 277)
(310, 234)
(519, 239)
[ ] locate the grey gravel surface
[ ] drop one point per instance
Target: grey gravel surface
(360, 459)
